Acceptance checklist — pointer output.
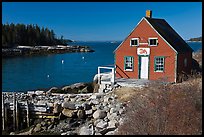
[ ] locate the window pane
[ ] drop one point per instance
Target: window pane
(153, 42)
(128, 63)
(159, 63)
(134, 42)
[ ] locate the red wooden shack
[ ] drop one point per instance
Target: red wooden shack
(153, 50)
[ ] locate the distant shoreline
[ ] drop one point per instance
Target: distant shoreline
(193, 41)
(43, 50)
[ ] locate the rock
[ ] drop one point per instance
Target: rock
(85, 130)
(77, 85)
(93, 108)
(102, 124)
(112, 110)
(112, 124)
(68, 113)
(89, 112)
(99, 114)
(81, 114)
(69, 133)
(38, 92)
(68, 105)
(95, 102)
(86, 106)
(66, 88)
(12, 133)
(64, 133)
(37, 128)
(111, 116)
(121, 111)
(50, 104)
(41, 102)
(52, 90)
(73, 99)
(107, 99)
(84, 90)
(66, 99)
(110, 133)
(96, 96)
(57, 108)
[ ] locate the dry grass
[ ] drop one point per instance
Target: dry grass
(163, 109)
(124, 94)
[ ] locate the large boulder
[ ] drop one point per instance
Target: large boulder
(78, 86)
(52, 90)
(69, 113)
(99, 114)
(66, 88)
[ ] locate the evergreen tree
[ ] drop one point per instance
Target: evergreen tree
(31, 35)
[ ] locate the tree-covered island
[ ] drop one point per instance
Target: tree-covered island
(198, 39)
(21, 39)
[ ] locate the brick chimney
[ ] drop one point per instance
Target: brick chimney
(148, 13)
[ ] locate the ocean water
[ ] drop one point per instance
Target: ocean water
(46, 71)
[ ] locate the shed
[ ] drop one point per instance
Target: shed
(153, 50)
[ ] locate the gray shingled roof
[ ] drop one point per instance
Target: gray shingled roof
(169, 34)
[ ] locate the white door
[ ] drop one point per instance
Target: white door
(144, 67)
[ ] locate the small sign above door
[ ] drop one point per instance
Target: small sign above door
(143, 51)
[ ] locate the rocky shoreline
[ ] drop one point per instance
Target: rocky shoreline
(75, 114)
(43, 50)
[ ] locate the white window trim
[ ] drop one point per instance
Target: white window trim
(162, 64)
(152, 38)
(134, 39)
(132, 64)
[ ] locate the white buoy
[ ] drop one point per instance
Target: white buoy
(62, 61)
(82, 57)
(48, 76)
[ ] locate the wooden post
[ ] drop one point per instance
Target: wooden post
(27, 113)
(3, 113)
(14, 111)
(17, 115)
(99, 76)
(6, 115)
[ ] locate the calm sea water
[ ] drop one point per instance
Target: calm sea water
(42, 72)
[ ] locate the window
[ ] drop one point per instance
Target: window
(134, 42)
(153, 41)
(128, 63)
(185, 62)
(159, 64)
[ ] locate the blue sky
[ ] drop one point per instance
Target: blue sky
(99, 21)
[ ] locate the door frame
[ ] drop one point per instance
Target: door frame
(139, 65)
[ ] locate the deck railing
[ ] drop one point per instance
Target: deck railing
(106, 77)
